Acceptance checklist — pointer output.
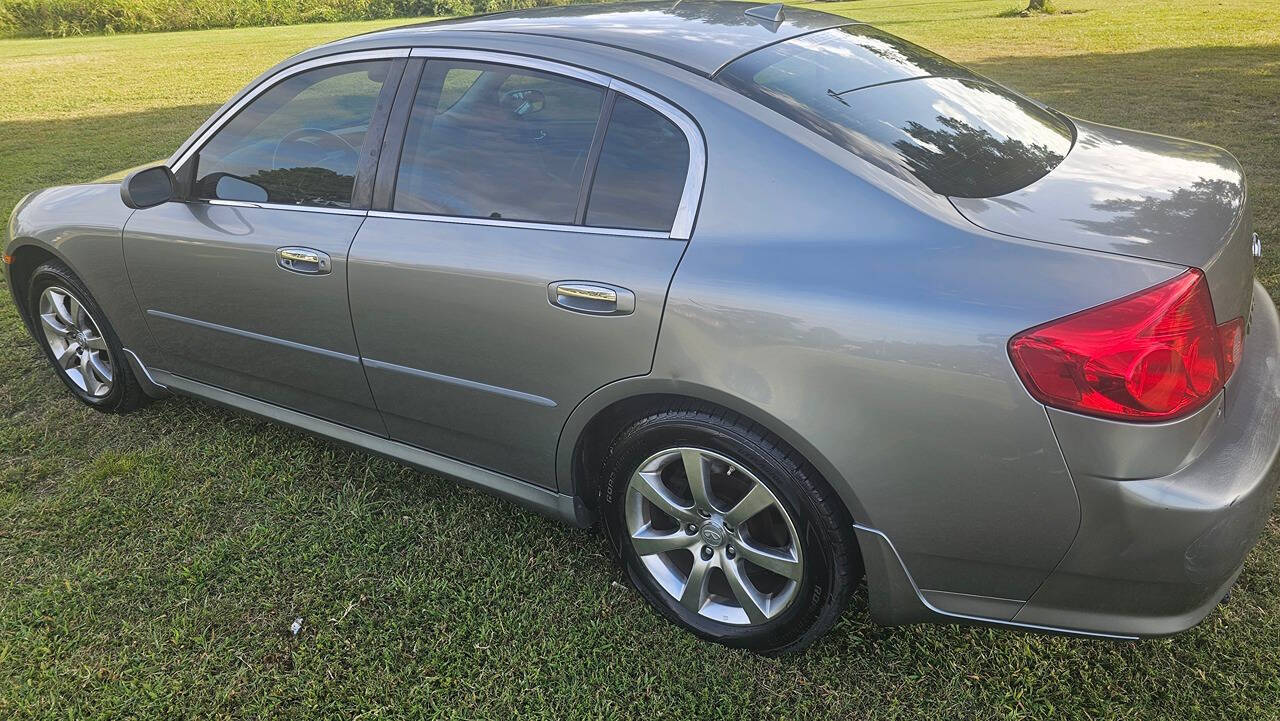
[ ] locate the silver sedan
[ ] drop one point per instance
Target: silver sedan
(776, 298)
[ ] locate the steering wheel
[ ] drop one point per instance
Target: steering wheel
(322, 140)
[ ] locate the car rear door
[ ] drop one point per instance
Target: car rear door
(244, 281)
(527, 220)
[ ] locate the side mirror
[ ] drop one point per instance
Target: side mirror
(523, 102)
(148, 187)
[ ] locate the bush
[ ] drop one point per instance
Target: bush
(80, 17)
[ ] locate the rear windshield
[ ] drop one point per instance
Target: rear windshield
(906, 110)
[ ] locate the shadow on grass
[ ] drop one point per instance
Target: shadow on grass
(1167, 88)
(35, 154)
(1226, 96)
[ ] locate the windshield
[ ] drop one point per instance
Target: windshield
(906, 110)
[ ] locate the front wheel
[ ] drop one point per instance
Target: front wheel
(79, 342)
(726, 532)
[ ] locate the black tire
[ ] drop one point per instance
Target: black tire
(830, 561)
(125, 393)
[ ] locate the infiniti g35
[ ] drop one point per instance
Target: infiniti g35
(778, 299)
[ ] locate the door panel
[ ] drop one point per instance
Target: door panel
(244, 285)
(485, 309)
(224, 312)
(464, 349)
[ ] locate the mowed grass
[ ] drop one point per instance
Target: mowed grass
(151, 565)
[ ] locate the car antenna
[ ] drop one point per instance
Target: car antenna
(771, 13)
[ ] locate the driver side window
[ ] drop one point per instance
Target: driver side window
(298, 143)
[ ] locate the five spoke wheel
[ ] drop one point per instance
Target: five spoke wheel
(713, 536)
(78, 347)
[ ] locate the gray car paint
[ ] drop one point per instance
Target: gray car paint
(697, 36)
(856, 315)
(80, 225)
(1139, 194)
(465, 353)
(293, 345)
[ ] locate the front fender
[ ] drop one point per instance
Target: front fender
(83, 227)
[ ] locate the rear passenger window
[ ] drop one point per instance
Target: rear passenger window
(494, 141)
(641, 173)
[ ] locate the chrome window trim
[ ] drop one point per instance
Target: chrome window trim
(524, 61)
(686, 212)
(278, 206)
(530, 225)
(260, 88)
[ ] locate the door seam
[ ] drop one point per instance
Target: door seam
(355, 336)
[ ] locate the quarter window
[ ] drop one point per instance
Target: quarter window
(641, 173)
(298, 143)
(494, 141)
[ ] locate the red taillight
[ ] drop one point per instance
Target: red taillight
(1151, 356)
(1231, 336)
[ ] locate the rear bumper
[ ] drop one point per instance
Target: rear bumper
(1153, 557)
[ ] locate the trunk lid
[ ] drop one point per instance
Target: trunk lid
(1139, 194)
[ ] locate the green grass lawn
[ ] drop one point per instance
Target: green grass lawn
(151, 565)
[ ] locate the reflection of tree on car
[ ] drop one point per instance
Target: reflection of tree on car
(1213, 199)
(933, 156)
(290, 186)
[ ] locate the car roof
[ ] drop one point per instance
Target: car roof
(699, 35)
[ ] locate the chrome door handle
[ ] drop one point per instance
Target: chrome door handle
(587, 292)
(303, 260)
(593, 298)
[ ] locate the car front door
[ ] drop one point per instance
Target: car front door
(518, 255)
(244, 282)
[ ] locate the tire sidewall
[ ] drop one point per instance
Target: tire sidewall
(650, 436)
(51, 274)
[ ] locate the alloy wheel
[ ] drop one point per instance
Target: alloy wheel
(713, 536)
(79, 349)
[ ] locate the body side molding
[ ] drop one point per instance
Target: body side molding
(253, 336)
(536, 400)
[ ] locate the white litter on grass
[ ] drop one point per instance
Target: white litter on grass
(297, 626)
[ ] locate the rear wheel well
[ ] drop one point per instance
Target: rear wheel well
(595, 439)
(604, 426)
(26, 259)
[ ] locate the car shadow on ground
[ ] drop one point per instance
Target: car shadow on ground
(36, 154)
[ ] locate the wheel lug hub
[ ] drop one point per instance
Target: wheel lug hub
(707, 553)
(690, 529)
(713, 534)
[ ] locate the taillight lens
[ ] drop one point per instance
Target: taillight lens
(1152, 356)
(1231, 336)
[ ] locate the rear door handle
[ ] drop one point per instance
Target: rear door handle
(593, 298)
(307, 261)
